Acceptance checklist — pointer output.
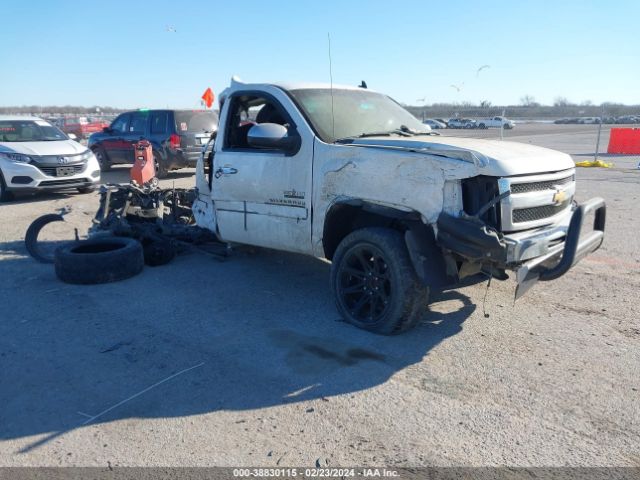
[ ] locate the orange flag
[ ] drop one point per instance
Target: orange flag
(208, 97)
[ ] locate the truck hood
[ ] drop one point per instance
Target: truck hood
(58, 147)
(496, 158)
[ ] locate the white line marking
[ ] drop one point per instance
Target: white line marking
(140, 393)
(84, 414)
(301, 391)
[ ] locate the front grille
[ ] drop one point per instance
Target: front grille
(532, 214)
(61, 183)
(52, 171)
(540, 186)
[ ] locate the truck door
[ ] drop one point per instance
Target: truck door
(114, 144)
(263, 196)
(136, 132)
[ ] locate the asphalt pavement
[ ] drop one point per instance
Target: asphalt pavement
(246, 362)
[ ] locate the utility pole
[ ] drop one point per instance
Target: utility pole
(595, 156)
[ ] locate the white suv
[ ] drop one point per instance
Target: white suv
(36, 156)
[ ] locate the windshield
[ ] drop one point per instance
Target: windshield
(29, 131)
(355, 113)
(196, 121)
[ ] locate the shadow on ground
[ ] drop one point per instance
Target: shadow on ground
(260, 330)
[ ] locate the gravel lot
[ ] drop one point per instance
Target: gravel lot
(250, 366)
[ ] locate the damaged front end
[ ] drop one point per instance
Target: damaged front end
(474, 241)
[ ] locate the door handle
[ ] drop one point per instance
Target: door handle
(225, 171)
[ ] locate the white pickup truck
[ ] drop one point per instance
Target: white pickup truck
(347, 174)
(496, 122)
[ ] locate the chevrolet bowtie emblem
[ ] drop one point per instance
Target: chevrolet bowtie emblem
(559, 197)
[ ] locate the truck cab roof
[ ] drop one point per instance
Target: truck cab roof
(237, 84)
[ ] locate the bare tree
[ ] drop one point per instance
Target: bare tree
(528, 101)
(561, 102)
(485, 104)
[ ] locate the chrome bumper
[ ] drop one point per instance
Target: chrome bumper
(561, 257)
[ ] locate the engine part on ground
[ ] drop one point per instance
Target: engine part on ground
(31, 237)
(143, 171)
(160, 220)
(98, 260)
(131, 203)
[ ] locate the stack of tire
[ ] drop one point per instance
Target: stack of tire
(101, 259)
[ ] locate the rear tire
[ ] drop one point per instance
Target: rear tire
(374, 282)
(99, 260)
(103, 159)
(161, 168)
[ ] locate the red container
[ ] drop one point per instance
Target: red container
(624, 141)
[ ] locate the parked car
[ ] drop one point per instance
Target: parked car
(36, 156)
(628, 119)
(442, 120)
(433, 123)
(496, 122)
(589, 120)
(176, 136)
(567, 121)
(81, 127)
(461, 123)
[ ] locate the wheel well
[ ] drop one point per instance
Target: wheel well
(344, 218)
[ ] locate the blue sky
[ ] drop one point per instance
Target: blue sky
(120, 53)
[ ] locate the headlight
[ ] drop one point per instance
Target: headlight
(87, 155)
(15, 157)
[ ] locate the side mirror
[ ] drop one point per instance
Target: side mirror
(272, 136)
(72, 136)
(106, 129)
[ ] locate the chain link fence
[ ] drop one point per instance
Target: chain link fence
(585, 138)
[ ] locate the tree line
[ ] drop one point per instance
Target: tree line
(528, 108)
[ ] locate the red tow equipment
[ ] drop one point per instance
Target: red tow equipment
(143, 170)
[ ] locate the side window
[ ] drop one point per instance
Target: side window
(138, 123)
(159, 122)
(120, 124)
(247, 111)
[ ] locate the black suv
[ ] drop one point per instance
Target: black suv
(176, 136)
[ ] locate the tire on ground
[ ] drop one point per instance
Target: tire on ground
(157, 252)
(408, 297)
(31, 237)
(99, 260)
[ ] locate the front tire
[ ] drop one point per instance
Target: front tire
(374, 282)
(103, 159)
(5, 195)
